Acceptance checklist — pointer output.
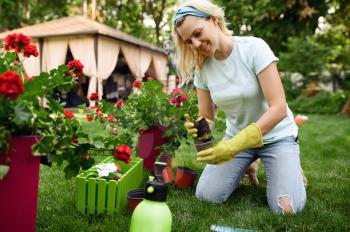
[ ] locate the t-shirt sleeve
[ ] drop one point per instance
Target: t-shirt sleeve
(199, 81)
(263, 56)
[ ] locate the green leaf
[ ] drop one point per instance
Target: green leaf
(23, 115)
(3, 170)
(98, 144)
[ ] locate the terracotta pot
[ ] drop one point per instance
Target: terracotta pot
(200, 146)
(148, 140)
(135, 196)
(19, 188)
(185, 177)
(166, 171)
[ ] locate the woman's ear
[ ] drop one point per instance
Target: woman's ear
(214, 19)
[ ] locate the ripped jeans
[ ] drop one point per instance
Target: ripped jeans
(283, 172)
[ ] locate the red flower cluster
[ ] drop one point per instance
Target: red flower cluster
(18, 42)
(11, 84)
(68, 114)
(111, 118)
(94, 97)
(137, 84)
(30, 50)
(119, 103)
(75, 139)
(123, 153)
(89, 118)
(178, 96)
(76, 67)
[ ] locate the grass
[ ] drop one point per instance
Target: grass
(325, 146)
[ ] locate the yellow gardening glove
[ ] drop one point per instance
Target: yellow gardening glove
(191, 130)
(225, 150)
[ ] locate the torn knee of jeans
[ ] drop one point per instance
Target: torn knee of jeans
(286, 204)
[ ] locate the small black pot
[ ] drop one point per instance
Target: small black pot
(203, 145)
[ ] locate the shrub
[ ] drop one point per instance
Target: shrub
(322, 103)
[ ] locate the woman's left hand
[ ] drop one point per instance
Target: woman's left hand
(225, 150)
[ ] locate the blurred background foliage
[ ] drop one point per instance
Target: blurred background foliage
(311, 37)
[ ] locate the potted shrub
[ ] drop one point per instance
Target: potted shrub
(157, 117)
(27, 129)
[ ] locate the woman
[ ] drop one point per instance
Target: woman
(240, 76)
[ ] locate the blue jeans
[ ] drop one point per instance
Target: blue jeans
(283, 172)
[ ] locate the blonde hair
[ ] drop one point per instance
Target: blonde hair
(188, 59)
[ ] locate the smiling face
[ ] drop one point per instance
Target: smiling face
(200, 33)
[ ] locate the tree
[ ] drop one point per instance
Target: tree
(17, 13)
(274, 21)
(161, 13)
(303, 55)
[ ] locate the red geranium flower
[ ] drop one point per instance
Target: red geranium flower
(75, 139)
(11, 84)
(30, 50)
(177, 91)
(86, 157)
(94, 97)
(137, 84)
(119, 103)
(183, 97)
(89, 118)
(29, 78)
(68, 114)
(16, 42)
(123, 153)
(111, 118)
(76, 66)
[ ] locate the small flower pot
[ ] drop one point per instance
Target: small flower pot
(135, 196)
(185, 177)
(163, 169)
(147, 143)
(203, 145)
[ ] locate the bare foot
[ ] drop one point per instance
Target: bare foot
(252, 171)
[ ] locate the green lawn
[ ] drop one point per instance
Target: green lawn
(325, 146)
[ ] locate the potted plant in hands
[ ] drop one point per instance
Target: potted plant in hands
(27, 128)
(185, 177)
(157, 117)
(204, 138)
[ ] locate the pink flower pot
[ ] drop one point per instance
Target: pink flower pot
(185, 177)
(148, 140)
(19, 188)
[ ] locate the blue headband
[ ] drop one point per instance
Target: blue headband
(188, 10)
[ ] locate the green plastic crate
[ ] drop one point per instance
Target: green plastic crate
(98, 195)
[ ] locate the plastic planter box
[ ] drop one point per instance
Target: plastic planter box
(97, 195)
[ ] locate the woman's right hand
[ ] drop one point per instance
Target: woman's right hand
(190, 126)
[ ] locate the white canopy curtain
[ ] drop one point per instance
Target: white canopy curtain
(160, 65)
(132, 57)
(54, 53)
(32, 64)
(83, 49)
(108, 51)
(145, 60)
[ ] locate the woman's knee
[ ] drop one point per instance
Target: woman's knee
(286, 205)
(208, 194)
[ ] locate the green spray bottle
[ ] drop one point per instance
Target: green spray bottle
(152, 214)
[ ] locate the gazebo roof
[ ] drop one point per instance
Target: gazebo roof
(77, 25)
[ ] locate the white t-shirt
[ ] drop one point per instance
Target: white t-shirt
(234, 87)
